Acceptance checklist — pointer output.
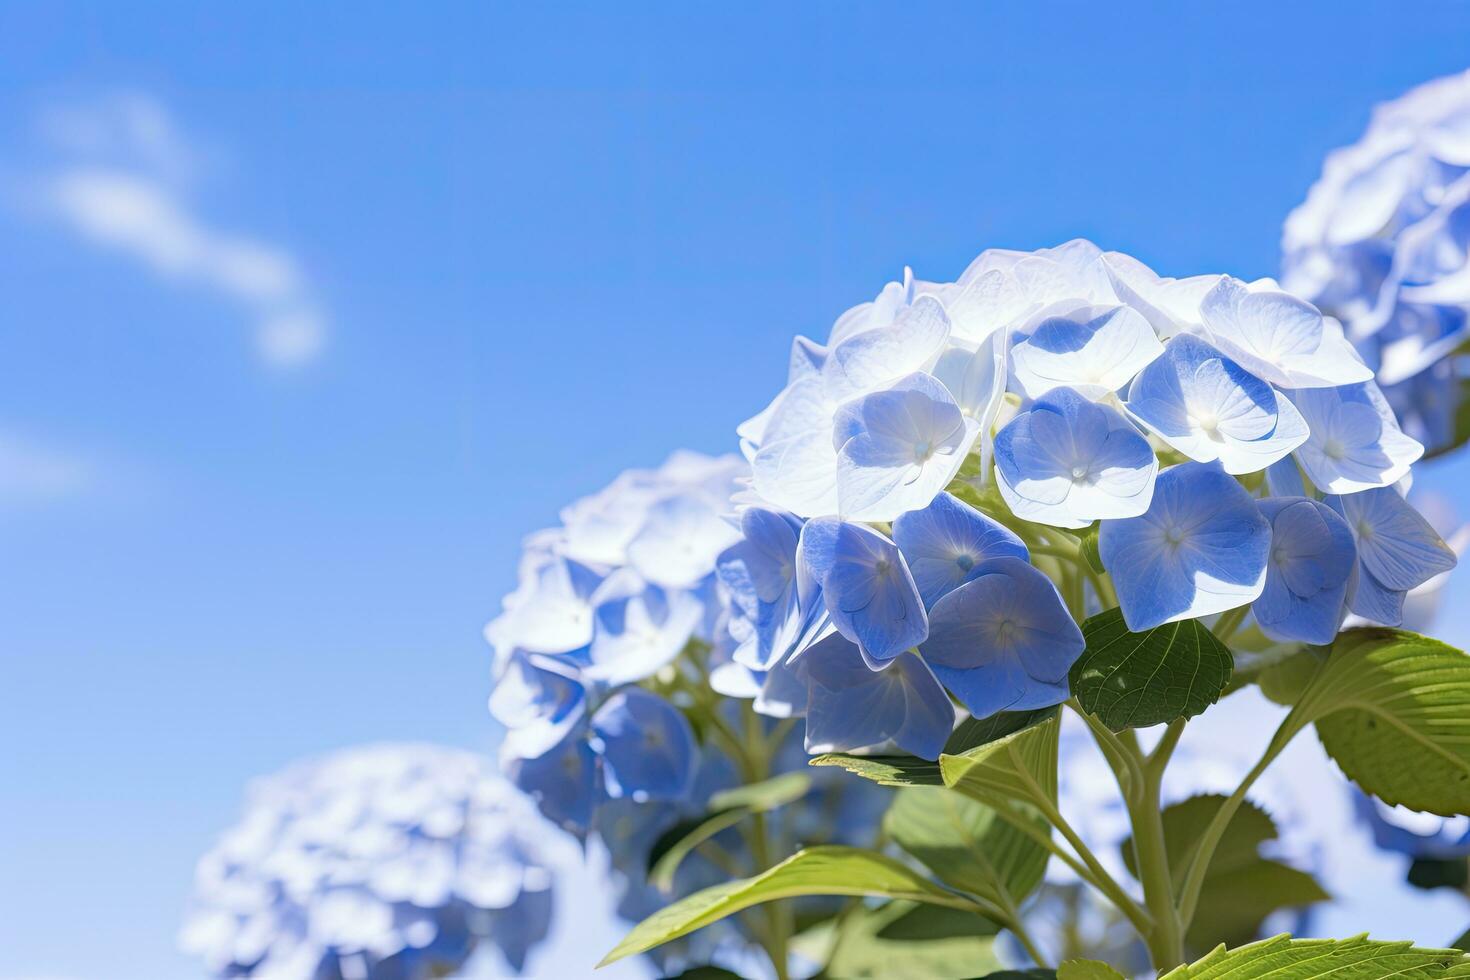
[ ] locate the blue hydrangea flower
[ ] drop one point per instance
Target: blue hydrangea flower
(1208, 407)
(538, 699)
(1381, 243)
(1003, 640)
(390, 861)
(1397, 551)
(551, 611)
(1355, 442)
(791, 445)
(639, 628)
(898, 447)
(1201, 548)
(850, 706)
(760, 573)
(565, 779)
(866, 586)
(1094, 351)
(1312, 557)
(1068, 462)
(679, 540)
(648, 750)
(947, 541)
(1278, 337)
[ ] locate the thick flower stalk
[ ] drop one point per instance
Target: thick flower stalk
(387, 862)
(1381, 243)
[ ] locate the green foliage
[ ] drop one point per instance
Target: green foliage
(1359, 958)
(727, 809)
(1089, 548)
(1086, 970)
(902, 939)
(1134, 680)
(1392, 708)
(1019, 766)
(1241, 887)
(910, 770)
(968, 846)
(828, 870)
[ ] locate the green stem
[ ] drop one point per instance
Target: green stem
(1165, 940)
(1229, 622)
(1123, 761)
(1194, 878)
(1018, 929)
(756, 759)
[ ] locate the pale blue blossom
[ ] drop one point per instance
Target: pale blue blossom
(866, 585)
(647, 746)
(759, 572)
(1307, 577)
(898, 447)
(1381, 243)
(791, 445)
(1093, 350)
(389, 862)
(565, 779)
(1068, 462)
(1419, 835)
(640, 628)
(1355, 442)
(1278, 337)
(1201, 548)
(551, 611)
(538, 699)
(1398, 550)
(1003, 640)
(679, 541)
(850, 706)
(946, 542)
(1209, 408)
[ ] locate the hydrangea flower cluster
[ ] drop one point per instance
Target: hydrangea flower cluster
(387, 862)
(606, 600)
(916, 482)
(1381, 243)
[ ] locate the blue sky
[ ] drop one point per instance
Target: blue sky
(308, 313)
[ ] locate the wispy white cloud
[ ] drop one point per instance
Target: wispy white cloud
(34, 473)
(124, 184)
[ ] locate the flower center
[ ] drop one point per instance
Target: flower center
(923, 450)
(1333, 448)
(965, 561)
(1174, 535)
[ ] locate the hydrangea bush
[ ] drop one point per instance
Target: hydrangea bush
(1381, 243)
(387, 862)
(1061, 484)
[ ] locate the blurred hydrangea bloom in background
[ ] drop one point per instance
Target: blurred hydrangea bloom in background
(386, 862)
(922, 488)
(1381, 243)
(608, 599)
(608, 661)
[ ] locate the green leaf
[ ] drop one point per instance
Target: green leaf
(1087, 970)
(765, 795)
(705, 973)
(1035, 973)
(727, 809)
(968, 846)
(828, 870)
(910, 770)
(1359, 958)
(1392, 708)
(901, 939)
(889, 770)
(1286, 679)
(1020, 766)
(1134, 680)
(1241, 888)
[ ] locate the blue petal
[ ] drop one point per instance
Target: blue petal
(1395, 543)
(538, 700)
(1003, 639)
(564, 781)
(945, 542)
(851, 707)
(1068, 462)
(866, 586)
(1201, 548)
(1312, 555)
(647, 746)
